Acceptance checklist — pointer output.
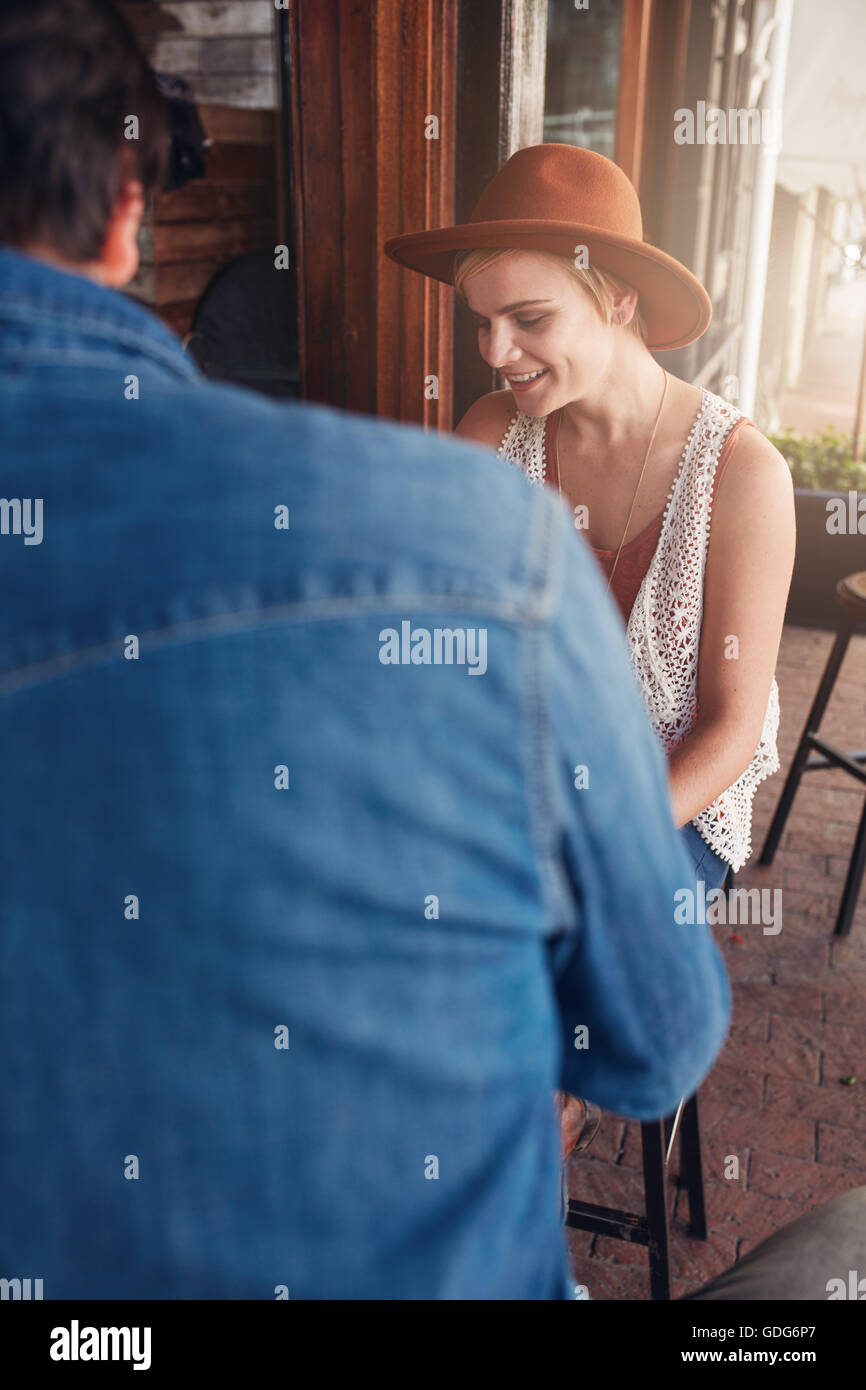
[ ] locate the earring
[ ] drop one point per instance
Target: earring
(619, 318)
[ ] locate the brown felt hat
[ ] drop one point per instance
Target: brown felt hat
(574, 197)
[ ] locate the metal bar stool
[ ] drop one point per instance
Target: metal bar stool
(851, 598)
(651, 1229)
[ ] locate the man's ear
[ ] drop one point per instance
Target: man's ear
(118, 261)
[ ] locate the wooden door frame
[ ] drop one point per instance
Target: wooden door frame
(500, 109)
(365, 79)
(634, 55)
(652, 85)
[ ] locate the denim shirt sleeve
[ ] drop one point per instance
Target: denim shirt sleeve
(644, 1001)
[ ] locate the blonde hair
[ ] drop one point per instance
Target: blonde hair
(601, 284)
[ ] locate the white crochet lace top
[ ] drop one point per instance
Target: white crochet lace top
(664, 626)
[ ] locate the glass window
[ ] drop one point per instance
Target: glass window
(583, 73)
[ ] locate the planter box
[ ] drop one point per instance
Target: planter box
(822, 559)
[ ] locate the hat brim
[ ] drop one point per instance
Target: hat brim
(675, 305)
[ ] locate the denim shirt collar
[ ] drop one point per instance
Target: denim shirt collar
(50, 307)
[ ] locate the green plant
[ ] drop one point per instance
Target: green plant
(822, 461)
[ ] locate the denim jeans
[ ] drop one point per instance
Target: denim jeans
(709, 866)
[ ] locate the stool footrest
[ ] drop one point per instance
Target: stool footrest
(607, 1221)
(828, 756)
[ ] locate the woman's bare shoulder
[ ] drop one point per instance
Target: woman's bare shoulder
(756, 461)
(756, 493)
(488, 418)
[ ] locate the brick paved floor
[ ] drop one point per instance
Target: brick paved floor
(774, 1098)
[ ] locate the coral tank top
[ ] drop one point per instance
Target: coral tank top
(634, 560)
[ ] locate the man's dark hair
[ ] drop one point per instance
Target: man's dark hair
(70, 75)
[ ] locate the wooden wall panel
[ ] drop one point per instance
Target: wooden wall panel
(199, 228)
(226, 50)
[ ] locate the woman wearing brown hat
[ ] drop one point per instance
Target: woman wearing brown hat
(569, 299)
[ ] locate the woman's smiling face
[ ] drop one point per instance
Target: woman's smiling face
(540, 328)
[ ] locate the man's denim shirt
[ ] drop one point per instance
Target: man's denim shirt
(302, 923)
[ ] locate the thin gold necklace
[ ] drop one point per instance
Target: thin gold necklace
(639, 481)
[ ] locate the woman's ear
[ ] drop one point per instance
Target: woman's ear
(624, 308)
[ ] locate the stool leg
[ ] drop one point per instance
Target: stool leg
(653, 1145)
(816, 713)
(691, 1169)
(853, 881)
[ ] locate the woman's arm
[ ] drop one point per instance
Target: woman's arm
(749, 565)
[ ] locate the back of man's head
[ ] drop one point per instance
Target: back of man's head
(80, 114)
